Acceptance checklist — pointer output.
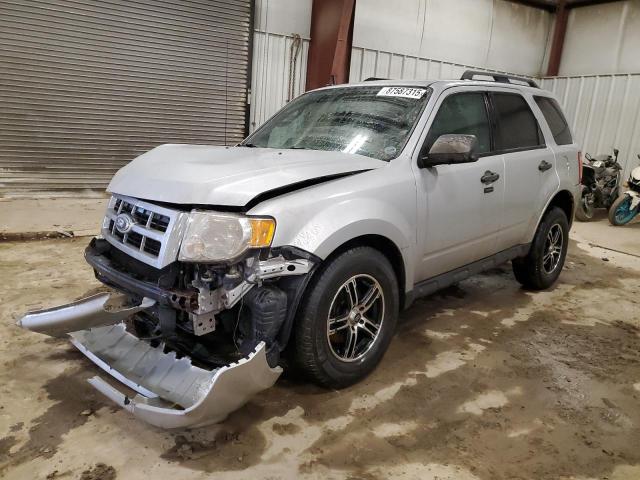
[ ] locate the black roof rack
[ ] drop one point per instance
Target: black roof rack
(498, 77)
(373, 79)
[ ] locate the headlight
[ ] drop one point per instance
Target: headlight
(214, 237)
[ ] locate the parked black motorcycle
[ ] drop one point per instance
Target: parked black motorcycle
(600, 184)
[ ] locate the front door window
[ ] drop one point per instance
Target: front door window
(464, 114)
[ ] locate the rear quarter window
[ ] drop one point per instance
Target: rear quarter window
(555, 119)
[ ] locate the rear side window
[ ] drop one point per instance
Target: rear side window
(555, 118)
(464, 114)
(517, 126)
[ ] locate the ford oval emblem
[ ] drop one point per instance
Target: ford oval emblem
(124, 223)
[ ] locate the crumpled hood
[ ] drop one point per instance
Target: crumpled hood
(228, 176)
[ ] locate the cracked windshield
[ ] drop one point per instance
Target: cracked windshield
(371, 121)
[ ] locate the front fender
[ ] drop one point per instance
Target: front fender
(635, 198)
(330, 228)
(320, 219)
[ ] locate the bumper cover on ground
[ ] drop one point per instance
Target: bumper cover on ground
(94, 311)
(170, 391)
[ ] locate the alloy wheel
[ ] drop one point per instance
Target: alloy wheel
(355, 317)
(553, 248)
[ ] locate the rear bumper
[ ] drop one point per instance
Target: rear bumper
(170, 392)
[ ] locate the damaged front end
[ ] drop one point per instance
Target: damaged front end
(194, 341)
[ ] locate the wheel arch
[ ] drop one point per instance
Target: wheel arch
(385, 246)
(564, 200)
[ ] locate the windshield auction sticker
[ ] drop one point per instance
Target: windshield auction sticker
(406, 92)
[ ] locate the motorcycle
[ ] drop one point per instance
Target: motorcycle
(627, 205)
(600, 184)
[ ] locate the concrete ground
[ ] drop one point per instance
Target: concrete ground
(482, 381)
(600, 232)
(64, 216)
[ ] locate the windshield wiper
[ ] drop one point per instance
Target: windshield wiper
(248, 145)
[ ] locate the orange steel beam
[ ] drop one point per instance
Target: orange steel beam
(331, 39)
(557, 45)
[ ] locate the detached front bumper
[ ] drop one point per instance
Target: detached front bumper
(170, 392)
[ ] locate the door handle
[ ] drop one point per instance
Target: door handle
(544, 165)
(489, 177)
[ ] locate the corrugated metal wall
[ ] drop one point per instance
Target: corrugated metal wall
(274, 56)
(367, 63)
(88, 85)
(604, 112)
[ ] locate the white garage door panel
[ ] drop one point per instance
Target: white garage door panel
(88, 85)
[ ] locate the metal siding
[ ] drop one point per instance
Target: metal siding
(89, 85)
(603, 111)
(271, 72)
(367, 63)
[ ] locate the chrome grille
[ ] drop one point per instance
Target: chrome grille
(152, 233)
(150, 219)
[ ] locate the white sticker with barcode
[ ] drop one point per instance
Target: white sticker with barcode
(406, 92)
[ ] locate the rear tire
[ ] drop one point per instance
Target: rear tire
(336, 341)
(585, 211)
(543, 264)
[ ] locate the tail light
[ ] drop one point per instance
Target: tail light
(579, 167)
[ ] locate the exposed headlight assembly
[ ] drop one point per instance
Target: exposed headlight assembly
(220, 237)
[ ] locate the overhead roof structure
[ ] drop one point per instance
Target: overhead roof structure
(554, 5)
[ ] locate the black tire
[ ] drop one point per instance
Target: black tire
(313, 355)
(532, 271)
(617, 220)
(584, 211)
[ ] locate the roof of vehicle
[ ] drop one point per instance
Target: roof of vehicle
(443, 84)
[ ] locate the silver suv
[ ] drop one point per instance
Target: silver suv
(301, 245)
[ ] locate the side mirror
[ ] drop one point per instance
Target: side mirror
(450, 148)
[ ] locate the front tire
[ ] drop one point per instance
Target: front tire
(620, 212)
(543, 264)
(347, 318)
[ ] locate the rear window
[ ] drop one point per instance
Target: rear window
(555, 119)
(517, 126)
